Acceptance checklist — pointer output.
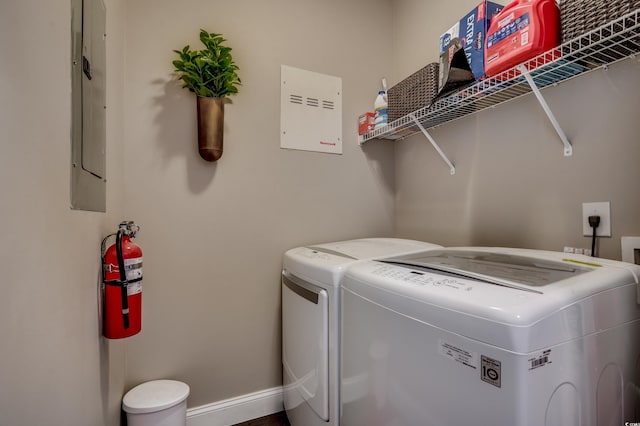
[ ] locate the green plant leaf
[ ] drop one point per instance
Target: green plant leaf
(210, 72)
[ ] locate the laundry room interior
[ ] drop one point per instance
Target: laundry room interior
(214, 233)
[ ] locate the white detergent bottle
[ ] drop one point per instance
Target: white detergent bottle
(381, 117)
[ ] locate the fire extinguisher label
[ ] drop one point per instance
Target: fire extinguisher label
(134, 288)
(133, 268)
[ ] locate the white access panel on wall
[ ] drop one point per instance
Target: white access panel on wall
(310, 111)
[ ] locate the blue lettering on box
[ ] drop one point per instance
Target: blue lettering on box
(469, 37)
(446, 39)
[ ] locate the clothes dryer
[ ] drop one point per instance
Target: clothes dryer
(310, 322)
(490, 337)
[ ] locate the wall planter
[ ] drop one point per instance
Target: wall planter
(210, 74)
(210, 127)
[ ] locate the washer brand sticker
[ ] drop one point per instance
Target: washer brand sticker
(463, 356)
(491, 371)
(541, 360)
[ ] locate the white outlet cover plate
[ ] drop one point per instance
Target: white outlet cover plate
(602, 209)
(629, 244)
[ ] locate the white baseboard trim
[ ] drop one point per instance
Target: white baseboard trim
(238, 409)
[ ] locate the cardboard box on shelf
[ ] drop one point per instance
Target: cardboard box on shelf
(365, 123)
(468, 33)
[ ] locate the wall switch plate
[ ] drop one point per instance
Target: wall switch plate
(602, 209)
(631, 249)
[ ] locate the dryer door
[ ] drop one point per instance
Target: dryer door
(305, 345)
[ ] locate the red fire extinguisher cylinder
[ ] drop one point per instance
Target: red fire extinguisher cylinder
(122, 297)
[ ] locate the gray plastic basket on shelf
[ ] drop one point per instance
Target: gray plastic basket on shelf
(578, 17)
(414, 92)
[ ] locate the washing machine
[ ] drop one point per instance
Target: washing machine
(490, 337)
(311, 324)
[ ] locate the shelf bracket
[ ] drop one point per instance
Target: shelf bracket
(434, 144)
(568, 149)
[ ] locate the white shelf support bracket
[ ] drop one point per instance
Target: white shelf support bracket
(568, 149)
(434, 144)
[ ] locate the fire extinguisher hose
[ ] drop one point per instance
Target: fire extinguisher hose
(123, 280)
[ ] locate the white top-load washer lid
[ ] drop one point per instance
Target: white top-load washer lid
(324, 264)
(154, 396)
(507, 269)
(520, 300)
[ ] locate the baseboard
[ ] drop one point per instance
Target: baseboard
(237, 410)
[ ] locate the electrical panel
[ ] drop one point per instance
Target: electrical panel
(310, 111)
(88, 99)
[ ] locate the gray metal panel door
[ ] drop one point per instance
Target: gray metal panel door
(88, 175)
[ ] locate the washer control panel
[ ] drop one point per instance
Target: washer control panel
(422, 278)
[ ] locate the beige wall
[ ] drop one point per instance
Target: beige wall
(513, 186)
(213, 235)
(416, 26)
(55, 369)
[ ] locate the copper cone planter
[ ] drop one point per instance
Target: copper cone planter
(210, 127)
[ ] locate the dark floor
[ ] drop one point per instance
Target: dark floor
(278, 419)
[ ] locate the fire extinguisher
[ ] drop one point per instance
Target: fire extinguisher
(122, 284)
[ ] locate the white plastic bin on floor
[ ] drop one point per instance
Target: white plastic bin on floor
(157, 403)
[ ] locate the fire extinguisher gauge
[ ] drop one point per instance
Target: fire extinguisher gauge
(129, 228)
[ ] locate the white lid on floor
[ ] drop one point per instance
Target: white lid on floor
(155, 396)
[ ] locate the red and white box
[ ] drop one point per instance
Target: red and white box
(365, 123)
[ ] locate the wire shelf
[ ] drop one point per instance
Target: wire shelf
(610, 43)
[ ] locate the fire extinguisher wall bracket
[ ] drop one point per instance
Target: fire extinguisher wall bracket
(122, 279)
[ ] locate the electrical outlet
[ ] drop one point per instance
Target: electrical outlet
(602, 209)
